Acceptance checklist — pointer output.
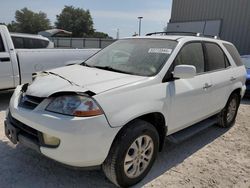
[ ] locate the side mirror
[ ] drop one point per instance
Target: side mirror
(184, 71)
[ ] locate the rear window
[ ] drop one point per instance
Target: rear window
(1, 44)
(35, 43)
(29, 43)
(216, 58)
(18, 42)
(234, 53)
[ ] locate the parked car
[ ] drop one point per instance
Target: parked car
(116, 109)
(18, 66)
(246, 61)
(28, 41)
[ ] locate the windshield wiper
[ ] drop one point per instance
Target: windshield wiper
(72, 83)
(108, 68)
(85, 64)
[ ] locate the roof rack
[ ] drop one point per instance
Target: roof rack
(181, 33)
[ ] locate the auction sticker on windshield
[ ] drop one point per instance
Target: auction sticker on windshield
(160, 50)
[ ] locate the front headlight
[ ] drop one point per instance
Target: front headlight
(74, 105)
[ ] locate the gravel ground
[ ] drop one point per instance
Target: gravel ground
(213, 158)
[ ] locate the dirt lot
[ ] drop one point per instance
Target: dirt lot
(213, 158)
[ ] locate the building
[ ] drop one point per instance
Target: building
(227, 19)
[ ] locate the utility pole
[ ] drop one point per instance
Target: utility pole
(140, 18)
(117, 34)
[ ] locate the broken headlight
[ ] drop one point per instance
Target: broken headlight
(74, 105)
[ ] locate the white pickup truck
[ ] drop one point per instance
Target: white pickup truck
(17, 66)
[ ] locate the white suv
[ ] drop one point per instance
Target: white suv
(117, 108)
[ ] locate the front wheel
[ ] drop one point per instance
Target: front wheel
(132, 154)
(227, 116)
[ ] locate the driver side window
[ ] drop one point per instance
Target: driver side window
(191, 54)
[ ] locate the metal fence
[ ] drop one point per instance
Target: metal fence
(61, 42)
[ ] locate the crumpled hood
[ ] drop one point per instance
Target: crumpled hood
(80, 79)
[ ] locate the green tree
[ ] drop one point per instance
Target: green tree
(12, 27)
(28, 21)
(76, 20)
(97, 34)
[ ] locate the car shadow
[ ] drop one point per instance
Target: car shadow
(4, 99)
(23, 167)
(174, 154)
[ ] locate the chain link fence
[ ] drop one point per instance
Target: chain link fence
(61, 42)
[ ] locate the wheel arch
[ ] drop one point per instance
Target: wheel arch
(157, 119)
(237, 91)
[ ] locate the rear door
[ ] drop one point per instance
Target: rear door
(6, 72)
(221, 74)
(190, 98)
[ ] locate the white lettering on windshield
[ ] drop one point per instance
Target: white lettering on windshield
(160, 51)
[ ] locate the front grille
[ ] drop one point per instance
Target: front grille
(30, 102)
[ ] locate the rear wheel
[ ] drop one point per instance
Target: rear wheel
(132, 154)
(227, 116)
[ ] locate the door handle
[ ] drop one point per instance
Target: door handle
(4, 59)
(232, 79)
(206, 86)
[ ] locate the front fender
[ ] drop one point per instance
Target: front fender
(122, 107)
(123, 116)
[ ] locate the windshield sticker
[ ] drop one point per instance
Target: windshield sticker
(160, 51)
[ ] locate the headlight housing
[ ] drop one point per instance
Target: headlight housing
(74, 105)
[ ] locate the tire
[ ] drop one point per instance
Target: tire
(224, 119)
(123, 150)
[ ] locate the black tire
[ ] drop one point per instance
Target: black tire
(113, 166)
(223, 115)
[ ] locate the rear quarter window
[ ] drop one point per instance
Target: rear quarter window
(234, 54)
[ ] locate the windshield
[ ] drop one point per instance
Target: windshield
(143, 57)
(246, 61)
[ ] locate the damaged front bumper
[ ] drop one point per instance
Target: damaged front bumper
(84, 141)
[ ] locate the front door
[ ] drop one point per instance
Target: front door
(189, 97)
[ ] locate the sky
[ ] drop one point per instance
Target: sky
(108, 15)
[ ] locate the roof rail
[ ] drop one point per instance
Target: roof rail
(182, 33)
(173, 33)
